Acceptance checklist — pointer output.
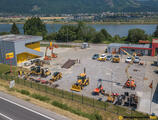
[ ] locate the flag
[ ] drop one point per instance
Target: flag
(151, 85)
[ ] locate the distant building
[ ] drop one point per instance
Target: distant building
(15, 49)
(144, 49)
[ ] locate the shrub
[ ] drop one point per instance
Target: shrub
(25, 92)
(40, 97)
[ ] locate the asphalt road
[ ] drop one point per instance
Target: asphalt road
(12, 108)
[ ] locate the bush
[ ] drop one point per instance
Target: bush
(25, 92)
(97, 116)
(40, 97)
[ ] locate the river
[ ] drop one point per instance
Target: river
(113, 29)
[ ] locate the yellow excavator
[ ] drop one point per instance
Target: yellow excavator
(82, 81)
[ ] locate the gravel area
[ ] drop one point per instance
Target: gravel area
(113, 74)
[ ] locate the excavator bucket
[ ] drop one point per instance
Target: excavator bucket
(76, 88)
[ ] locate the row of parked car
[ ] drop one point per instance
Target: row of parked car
(129, 59)
(104, 57)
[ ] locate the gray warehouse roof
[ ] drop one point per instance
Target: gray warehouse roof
(19, 38)
(129, 45)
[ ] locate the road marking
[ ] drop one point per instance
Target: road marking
(5, 116)
(27, 108)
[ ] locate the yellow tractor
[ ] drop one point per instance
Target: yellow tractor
(45, 72)
(35, 70)
(82, 81)
(116, 59)
(56, 76)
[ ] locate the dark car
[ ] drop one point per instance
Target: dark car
(109, 57)
(95, 56)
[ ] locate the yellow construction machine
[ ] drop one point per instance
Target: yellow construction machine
(37, 70)
(116, 59)
(82, 81)
(56, 76)
(45, 72)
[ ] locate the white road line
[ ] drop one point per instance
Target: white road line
(5, 116)
(27, 108)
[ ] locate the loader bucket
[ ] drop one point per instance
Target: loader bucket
(76, 88)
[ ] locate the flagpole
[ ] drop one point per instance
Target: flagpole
(151, 96)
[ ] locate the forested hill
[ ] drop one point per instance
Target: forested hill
(47, 7)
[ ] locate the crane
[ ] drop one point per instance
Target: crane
(129, 83)
(51, 47)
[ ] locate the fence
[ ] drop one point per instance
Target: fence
(73, 96)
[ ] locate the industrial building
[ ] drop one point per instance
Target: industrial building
(143, 49)
(15, 49)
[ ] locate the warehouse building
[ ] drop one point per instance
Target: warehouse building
(15, 49)
(142, 49)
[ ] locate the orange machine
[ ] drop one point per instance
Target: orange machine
(53, 55)
(130, 83)
(99, 88)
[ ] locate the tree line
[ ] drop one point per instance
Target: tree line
(80, 32)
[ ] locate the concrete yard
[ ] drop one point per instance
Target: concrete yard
(113, 74)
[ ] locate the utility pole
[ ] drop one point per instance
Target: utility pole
(67, 35)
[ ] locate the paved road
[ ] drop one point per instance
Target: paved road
(12, 108)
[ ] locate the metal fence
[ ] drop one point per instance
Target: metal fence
(72, 96)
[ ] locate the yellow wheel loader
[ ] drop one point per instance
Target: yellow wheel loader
(82, 81)
(56, 76)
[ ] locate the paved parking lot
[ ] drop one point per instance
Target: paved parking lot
(113, 74)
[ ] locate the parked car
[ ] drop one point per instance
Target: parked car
(95, 56)
(27, 63)
(136, 60)
(128, 60)
(102, 57)
(109, 57)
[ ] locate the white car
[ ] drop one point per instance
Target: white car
(27, 63)
(128, 60)
(136, 59)
(103, 56)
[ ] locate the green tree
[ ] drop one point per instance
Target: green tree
(80, 30)
(14, 29)
(106, 34)
(156, 32)
(66, 33)
(99, 38)
(34, 26)
(134, 35)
